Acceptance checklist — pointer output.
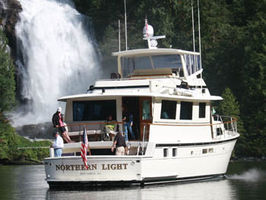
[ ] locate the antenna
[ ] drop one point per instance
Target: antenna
(193, 28)
(125, 8)
(199, 34)
(199, 39)
(119, 40)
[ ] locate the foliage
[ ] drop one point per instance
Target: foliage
(10, 142)
(7, 80)
(230, 107)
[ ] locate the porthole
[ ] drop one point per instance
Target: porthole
(165, 152)
(174, 152)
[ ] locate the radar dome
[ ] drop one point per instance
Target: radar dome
(148, 31)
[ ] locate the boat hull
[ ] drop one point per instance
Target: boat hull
(191, 163)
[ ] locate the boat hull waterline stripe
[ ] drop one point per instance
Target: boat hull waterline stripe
(145, 181)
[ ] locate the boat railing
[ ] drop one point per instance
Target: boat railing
(96, 131)
(225, 125)
(106, 131)
(102, 130)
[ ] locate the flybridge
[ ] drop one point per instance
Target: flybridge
(157, 62)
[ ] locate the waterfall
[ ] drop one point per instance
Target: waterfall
(57, 57)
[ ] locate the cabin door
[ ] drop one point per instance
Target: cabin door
(145, 116)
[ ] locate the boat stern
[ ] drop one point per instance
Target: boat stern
(102, 170)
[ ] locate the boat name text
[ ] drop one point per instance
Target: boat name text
(122, 166)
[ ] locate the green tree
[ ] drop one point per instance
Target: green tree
(7, 80)
(230, 107)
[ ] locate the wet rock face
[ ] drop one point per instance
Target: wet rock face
(37, 131)
(9, 15)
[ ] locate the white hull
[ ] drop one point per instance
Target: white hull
(140, 169)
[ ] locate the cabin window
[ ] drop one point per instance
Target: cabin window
(192, 63)
(168, 110)
(202, 110)
(219, 131)
(174, 152)
(129, 64)
(93, 110)
(186, 110)
(204, 151)
(146, 110)
(165, 152)
(210, 150)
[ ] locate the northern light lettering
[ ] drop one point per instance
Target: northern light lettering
(92, 167)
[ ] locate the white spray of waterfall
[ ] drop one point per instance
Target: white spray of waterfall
(58, 58)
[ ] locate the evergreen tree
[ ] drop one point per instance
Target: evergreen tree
(230, 107)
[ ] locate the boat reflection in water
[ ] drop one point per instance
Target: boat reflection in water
(218, 190)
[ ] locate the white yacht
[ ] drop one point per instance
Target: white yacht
(176, 136)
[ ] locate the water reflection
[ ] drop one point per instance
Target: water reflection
(244, 182)
(219, 190)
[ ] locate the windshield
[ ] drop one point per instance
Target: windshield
(129, 64)
(192, 63)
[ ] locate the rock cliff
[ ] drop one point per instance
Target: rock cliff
(9, 13)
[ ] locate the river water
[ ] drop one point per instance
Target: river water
(246, 180)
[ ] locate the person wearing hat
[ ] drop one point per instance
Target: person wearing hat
(58, 145)
(58, 122)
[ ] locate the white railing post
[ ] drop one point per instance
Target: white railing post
(143, 138)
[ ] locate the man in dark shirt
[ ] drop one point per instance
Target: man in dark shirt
(128, 124)
(58, 122)
(120, 144)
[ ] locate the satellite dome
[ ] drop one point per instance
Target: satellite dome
(148, 31)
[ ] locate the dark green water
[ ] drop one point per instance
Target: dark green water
(246, 180)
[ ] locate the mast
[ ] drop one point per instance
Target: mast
(193, 28)
(119, 39)
(199, 39)
(199, 34)
(125, 8)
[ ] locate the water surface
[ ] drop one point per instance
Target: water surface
(246, 180)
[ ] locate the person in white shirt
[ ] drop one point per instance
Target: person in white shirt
(58, 145)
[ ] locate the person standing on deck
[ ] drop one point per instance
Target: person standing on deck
(120, 144)
(128, 124)
(58, 145)
(58, 122)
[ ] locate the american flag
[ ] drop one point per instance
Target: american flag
(84, 147)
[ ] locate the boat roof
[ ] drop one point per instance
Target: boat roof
(88, 96)
(158, 51)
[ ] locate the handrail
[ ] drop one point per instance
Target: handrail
(93, 123)
(233, 119)
(219, 125)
